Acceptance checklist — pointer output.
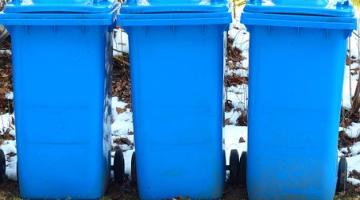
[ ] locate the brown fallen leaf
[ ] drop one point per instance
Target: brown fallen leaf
(123, 141)
(354, 174)
(241, 140)
(234, 80)
(7, 135)
(120, 110)
(11, 154)
(227, 121)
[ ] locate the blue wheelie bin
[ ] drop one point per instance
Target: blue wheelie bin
(297, 59)
(62, 63)
(176, 55)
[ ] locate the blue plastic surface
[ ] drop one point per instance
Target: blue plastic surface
(166, 6)
(314, 3)
(295, 88)
(177, 90)
(76, 6)
(174, 19)
(318, 7)
(59, 19)
(298, 21)
(62, 90)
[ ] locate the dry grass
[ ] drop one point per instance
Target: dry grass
(356, 3)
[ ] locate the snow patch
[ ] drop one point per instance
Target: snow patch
(9, 95)
(9, 149)
(355, 149)
(353, 131)
(123, 122)
(6, 122)
(232, 136)
(353, 181)
(238, 95)
(353, 163)
(121, 42)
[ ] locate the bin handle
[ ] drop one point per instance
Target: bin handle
(15, 1)
(256, 2)
(343, 4)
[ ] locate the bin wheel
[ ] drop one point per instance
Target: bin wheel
(17, 172)
(342, 175)
(234, 167)
(133, 169)
(242, 168)
(2, 167)
(119, 168)
(225, 166)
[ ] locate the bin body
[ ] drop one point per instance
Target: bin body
(62, 90)
(177, 90)
(295, 89)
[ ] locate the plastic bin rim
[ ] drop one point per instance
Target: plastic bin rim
(300, 21)
(134, 9)
(174, 19)
(301, 10)
(101, 7)
(60, 19)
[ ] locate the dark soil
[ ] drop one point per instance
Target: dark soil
(128, 191)
(9, 191)
(6, 105)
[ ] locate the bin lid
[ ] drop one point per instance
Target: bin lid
(75, 15)
(174, 19)
(73, 6)
(339, 8)
(165, 6)
(319, 14)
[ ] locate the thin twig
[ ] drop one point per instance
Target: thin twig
(121, 61)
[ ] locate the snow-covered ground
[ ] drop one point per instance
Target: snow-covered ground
(121, 42)
(353, 131)
(122, 127)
